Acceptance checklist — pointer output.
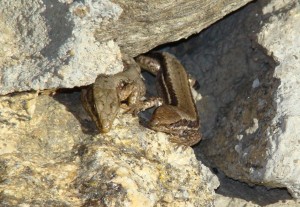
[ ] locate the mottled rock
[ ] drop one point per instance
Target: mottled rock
(51, 44)
(281, 38)
(17, 107)
(249, 110)
(66, 43)
(248, 69)
(145, 25)
(133, 168)
(36, 161)
(222, 201)
(57, 158)
(35, 180)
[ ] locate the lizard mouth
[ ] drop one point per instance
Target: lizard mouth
(104, 126)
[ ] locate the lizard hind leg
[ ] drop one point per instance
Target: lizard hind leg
(163, 117)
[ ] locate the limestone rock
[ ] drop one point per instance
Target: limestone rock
(35, 180)
(132, 168)
(249, 110)
(36, 164)
(57, 158)
(17, 107)
(145, 25)
(66, 43)
(51, 44)
(283, 141)
(248, 69)
(222, 201)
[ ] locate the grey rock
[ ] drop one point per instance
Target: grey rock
(51, 44)
(66, 43)
(250, 133)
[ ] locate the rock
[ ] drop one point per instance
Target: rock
(250, 127)
(58, 159)
(282, 168)
(17, 107)
(51, 44)
(36, 164)
(222, 201)
(132, 168)
(145, 25)
(236, 191)
(35, 180)
(66, 43)
(248, 109)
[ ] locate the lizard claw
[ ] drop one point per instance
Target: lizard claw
(178, 144)
(180, 147)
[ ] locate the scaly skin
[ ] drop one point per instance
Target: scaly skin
(102, 100)
(178, 113)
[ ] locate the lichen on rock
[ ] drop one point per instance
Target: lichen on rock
(134, 167)
(65, 162)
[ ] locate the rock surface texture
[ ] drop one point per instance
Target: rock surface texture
(222, 201)
(248, 68)
(55, 159)
(51, 44)
(281, 37)
(66, 43)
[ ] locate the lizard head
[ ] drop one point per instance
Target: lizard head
(101, 106)
(106, 108)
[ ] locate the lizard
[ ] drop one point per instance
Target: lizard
(103, 99)
(176, 112)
